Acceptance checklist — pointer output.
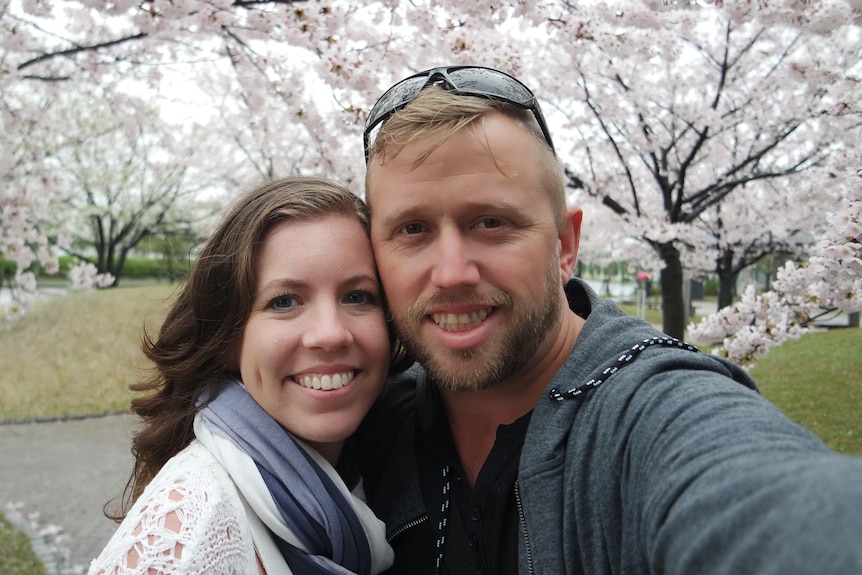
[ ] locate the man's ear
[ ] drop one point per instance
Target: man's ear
(570, 239)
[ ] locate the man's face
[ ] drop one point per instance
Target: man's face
(469, 254)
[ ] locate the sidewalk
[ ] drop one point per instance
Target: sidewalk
(65, 472)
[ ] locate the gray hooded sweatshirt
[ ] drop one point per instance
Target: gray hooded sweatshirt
(672, 463)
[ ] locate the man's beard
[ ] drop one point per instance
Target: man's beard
(492, 362)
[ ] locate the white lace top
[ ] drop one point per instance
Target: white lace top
(189, 519)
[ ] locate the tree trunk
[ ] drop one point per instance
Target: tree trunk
(672, 301)
(727, 277)
(119, 265)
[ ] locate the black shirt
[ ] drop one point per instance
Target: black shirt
(478, 527)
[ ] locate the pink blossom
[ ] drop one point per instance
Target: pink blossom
(831, 279)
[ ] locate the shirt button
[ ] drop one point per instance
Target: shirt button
(476, 514)
(473, 541)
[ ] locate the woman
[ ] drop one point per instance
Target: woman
(271, 355)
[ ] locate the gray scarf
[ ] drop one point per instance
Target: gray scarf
(310, 504)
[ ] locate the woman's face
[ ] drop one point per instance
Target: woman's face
(314, 351)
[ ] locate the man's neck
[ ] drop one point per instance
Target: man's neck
(475, 416)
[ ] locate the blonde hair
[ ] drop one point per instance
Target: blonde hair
(439, 114)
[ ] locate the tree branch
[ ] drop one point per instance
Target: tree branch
(253, 3)
(79, 49)
(245, 4)
(612, 141)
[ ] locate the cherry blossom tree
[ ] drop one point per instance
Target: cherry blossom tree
(719, 103)
(292, 78)
(771, 219)
(26, 193)
(124, 177)
(830, 280)
(660, 110)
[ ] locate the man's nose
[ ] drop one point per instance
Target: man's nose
(454, 264)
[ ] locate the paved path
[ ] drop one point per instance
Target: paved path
(65, 471)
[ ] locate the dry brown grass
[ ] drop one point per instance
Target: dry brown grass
(77, 354)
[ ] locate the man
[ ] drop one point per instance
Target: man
(549, 432)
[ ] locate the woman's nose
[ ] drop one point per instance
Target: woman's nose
(326, 329)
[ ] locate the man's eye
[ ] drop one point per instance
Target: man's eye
(411, 229)
(491, 223)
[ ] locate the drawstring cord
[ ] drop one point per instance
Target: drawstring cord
(624, 360)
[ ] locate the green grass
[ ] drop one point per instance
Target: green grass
(16, 554)
(652, 314)
(77, 354)
(817, 382)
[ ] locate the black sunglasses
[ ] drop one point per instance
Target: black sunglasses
(461, 80)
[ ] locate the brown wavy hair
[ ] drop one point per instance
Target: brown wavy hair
(193, 347)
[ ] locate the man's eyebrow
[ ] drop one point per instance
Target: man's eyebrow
(392, 218)
(413, 212)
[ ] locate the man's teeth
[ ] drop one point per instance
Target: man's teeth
(327, 381)
(459, 321)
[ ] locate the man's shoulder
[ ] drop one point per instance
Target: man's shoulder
(613, 341)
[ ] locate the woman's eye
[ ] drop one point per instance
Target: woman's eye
(282, 302)
(488, 223)
(360, 297)
(411, 229)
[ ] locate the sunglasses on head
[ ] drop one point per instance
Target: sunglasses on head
(461, 80)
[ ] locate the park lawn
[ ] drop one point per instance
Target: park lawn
(16, 554)
(77, 354)
(652, 315)
(817, 382)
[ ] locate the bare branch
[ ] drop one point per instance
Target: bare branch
(619, 154)
(79, 49)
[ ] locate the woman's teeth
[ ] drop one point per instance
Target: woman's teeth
(327, 381)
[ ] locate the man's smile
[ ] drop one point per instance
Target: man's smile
(460, 321)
